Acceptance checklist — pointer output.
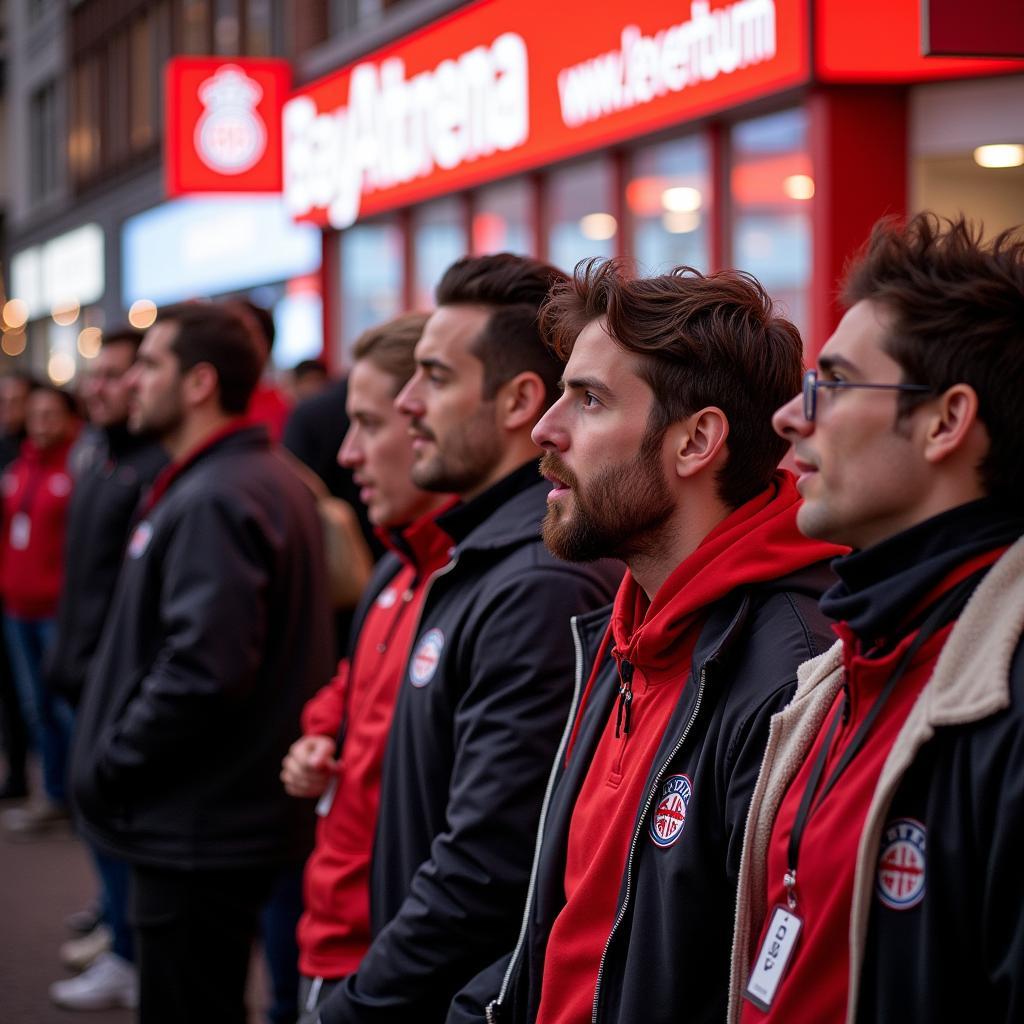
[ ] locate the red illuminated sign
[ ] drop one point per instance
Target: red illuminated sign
(224, 124)
(505, 85)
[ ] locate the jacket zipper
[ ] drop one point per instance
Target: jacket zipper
(493, 1008)
(638, 831)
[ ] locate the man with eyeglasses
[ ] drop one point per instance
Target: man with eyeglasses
(880, 878)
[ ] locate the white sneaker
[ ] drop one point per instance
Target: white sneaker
(109, 983)
(80, 953)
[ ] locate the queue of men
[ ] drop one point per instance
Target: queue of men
(594, 751)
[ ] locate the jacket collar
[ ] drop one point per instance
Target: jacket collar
(513, 519)
(422, 542)
(237, 434)
(880, 587)
(971, 676)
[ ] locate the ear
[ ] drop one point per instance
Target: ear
(520, 401)
(200, 384)
(698, 440)
(953, 424)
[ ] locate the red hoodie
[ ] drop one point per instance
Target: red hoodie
(757, 542)
(334, 932)
(36, 492)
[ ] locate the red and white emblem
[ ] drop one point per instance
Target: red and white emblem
(670, 811)
(426, 657)
(230, 137)
(901, 864)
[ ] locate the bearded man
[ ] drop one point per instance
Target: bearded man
(660, 453)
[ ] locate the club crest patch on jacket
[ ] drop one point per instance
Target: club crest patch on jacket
(669, 814)
(901, 864)
(426, 657)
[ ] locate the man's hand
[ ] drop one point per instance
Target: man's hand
(308, 766)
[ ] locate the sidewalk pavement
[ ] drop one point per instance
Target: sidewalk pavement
(42, 880)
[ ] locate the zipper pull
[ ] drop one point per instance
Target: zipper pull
(625, 702)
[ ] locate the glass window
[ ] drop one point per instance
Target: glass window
(142, 97)
(670, 198)
(503, 218)
(259, 28)
(44, 141)
(772, 185)
(195, 28)
(439, 239)
(579, 213)
(84, 137)
(226, 28)
(371, 278)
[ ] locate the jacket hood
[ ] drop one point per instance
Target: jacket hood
(756, 543)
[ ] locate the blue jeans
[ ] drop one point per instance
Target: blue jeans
(278, 921)
(115, 878)
(49, 718)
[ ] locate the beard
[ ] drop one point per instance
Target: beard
(468, 456)
(616, 514)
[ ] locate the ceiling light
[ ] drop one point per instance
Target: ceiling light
(1004, 154)
(682, 199)
(598, 227)
(142, 314)
(681, 222)
(90, 341)
(65, 313)
(799, 186)
(15, 313)
(61, 368)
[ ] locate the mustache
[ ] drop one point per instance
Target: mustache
(552, 465)
(416, 427)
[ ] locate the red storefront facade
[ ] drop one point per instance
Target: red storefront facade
(763, 134)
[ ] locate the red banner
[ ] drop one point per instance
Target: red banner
(506, 85)
(224, 124)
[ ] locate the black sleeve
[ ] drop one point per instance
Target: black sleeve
(465, 902)
(213, 622)
(1002, 924)
(470, 1005)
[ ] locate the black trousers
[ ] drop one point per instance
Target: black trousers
(194, 934)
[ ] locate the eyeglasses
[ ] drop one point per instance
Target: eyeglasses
(812, 385)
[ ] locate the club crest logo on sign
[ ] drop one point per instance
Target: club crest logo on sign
(230, 137)
(670, 811)
(140, 539)
(901, 865)
(426, 658)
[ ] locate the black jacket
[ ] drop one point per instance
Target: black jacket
(476, 722)
(942, 940)
(108, 485)
(667, 956)
(217, 635)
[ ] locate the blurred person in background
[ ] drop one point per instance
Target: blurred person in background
(270, 404)
(14, 389)
(482, 696)
(217, 635)
(345, 726)
(111, 475)
(36, 493)
(308, 379)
